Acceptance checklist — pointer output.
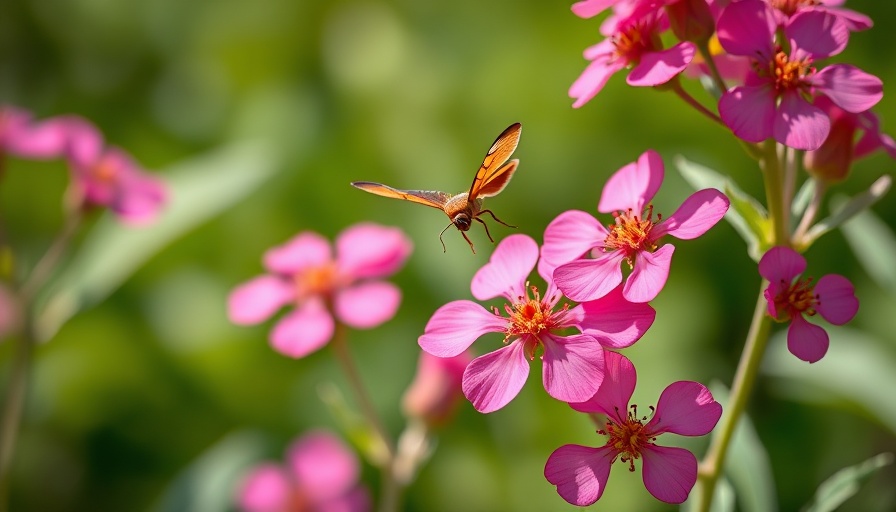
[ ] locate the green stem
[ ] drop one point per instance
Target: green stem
(713, 463)
(389, 494)
(703, 48)
(679, 90)
(778, 205)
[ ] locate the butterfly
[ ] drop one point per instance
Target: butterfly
(493, 175)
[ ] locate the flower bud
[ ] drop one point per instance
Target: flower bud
(436, 389)
(691, 20)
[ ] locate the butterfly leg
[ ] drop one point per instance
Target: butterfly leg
(496, 219)
(486, 229)
(469, 242)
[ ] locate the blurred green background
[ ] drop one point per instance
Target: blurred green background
(151, 400)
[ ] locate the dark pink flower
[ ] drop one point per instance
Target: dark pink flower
(685, 408)
(109, 177)
(791, 299)
(633, 41)
(320, 475)
(572, 364)
(303, 272)
(634, 237)
(23, 137)
(436, 390)
(853, 20)
(833, 159)
(772, 102)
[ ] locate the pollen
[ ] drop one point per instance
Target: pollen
(789, 74)
(797, 298)
(630, 232)
(104, 171)
(529, 317)
(628, 438)
(790, 7)
(633, 42)
(317, 280)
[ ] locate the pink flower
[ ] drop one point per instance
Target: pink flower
(303, 272)
(320, 475)
(634, 236)
(22, 137)
(572, 364)
(789, 299)
(633, 41)
(772, 102)
(685, 408)
(833, 159)
(436, 390)
(853, 20)
(107, 176)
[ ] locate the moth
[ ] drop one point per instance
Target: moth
(493, 175)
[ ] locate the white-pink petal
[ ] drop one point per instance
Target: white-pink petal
(633, 185)
(256, 300)
(267, 488)
(590, 8)
(837, 302)
(614, 321)
(648, 275)
(456, 325)
(656, 68)
(699, 212)
(685, 408)
(849, 87)
(584, 280)
(492, 380)
(371, 250)
(749, 111)
(367, 304)
(323, 465)
(615, 391)
(806, 341)
(799, 124)
(304, 330)
(781, 264)
(570, 236)
(579, 472)
(573, 367)
(508, 269)
(307, 249)
(669, 473)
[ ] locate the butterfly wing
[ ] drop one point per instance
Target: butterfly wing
(432, 198)
(495, 171)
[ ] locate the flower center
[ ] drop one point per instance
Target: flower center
(529, 317)
(789, 74)
(798, 298)
(633, 41)
(628, 438)
(105, 171)
(630, 233)
(789, 7)
(319, 280)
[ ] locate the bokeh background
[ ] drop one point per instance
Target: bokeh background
(152, 400)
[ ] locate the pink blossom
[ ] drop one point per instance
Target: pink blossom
(436, 390)
(791, 299)
(107, 176)
(572, 365)
(320, 475)
(23, 137)
(634, 237)
(772, 101)
(304, 273)
(833, 159)
(633, 40)
(854, 21)
(685, 408)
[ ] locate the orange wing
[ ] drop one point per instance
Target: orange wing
(432, 198)
(495, 171)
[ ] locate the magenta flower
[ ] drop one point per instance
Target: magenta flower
(320, 475)
(633, 41)
(633, 237)
(107, 176)
(685, 408)
(303, 272)
(772, 102)
(572, 364)
(22, 137)
(789, 299)
(436, 390)
(853, 20)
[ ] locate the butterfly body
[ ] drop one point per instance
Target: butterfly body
(465, 207)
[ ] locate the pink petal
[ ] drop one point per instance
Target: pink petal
(370, 250)
(307, 249)
(781, 264)
(492, 380)
(573, 367)
(634, 185)
(46, 139)
(649, 274)
(855, 21)
(749, 111)
(356, 500)
(266, 489)
(849, 87)
(570, 235)
(816, 33)
(590, 8)
(685, 408)
(507, 270)
(323, 465)
(304, 330)
(616, 389)
(256, 300)
(614, 321)
(747, 28)
(799, 124)
(699, 212)
(669, 473)
(806, 341)
(85, 142)
(367, 304)
(584, 280)
(579, 472)
(657, 68)
(141, 196)
(456, 325)
(837, 300)
(595, 76)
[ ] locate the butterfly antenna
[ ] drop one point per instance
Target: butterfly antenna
(496, 219)
(445, 249)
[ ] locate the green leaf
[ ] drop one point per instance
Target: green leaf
(803, 198)
(358, 431)
(845, 483)
(847, 210)
(746, 215)
(200, 189)
(874, 244)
